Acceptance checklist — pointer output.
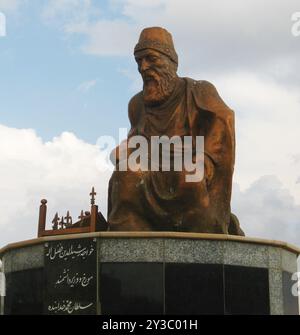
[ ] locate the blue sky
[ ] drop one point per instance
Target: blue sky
(41, 73)
(67, 73)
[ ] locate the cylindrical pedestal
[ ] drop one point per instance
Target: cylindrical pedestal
(150, 273)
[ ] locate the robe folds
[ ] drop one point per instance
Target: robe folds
(164, 200)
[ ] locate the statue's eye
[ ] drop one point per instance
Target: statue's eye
(152, 58)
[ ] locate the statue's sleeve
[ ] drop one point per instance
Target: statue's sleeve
(216, 121)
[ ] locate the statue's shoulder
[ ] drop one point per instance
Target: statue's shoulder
(134, 107)
(201, 86)
(207, 97)
(135, 100)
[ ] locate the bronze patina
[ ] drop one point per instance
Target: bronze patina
(174, 106)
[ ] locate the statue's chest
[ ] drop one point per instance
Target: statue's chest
(172, 122)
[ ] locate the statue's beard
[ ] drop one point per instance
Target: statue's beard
(157, 87)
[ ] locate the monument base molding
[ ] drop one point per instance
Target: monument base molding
(149, 273)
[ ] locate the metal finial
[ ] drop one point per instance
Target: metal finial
(55, 222)
(92, 194)
(68, 218)
(62, 223)
(81, 216)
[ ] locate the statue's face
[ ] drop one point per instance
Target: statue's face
(158, 73)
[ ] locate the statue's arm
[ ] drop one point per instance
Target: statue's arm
(219, 131)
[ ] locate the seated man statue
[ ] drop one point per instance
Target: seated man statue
(170, 106)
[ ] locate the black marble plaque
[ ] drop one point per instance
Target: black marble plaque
(290, 299)
(24, 292)
(246, 290)
(131, 288)
(194, 289)
(71, 277)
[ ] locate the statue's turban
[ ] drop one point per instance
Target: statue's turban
(158, 39)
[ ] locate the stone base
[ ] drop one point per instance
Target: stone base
(155, 273)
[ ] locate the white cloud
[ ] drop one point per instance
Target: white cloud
(62, 171)
(267, 121)
(223, 37)
(268, 210)
(207, 33)
(87, 85)
(105, 38)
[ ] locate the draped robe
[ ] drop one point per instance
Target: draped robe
(163, 200)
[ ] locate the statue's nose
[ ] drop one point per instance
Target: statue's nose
(144, 65)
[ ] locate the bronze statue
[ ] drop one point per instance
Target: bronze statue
(173, 106)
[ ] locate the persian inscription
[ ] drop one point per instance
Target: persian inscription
(71, 278)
